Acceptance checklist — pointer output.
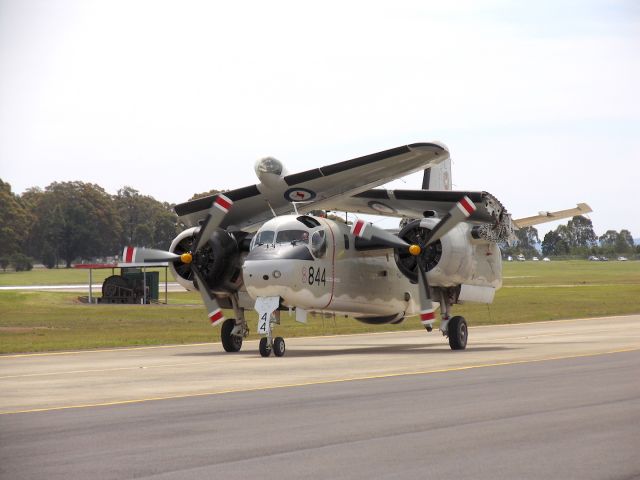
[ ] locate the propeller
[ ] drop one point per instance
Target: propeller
(460, 212)
(221, 206)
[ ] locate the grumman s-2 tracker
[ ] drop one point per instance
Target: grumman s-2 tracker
(258, 246)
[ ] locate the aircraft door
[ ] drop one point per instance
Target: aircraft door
(319, 274)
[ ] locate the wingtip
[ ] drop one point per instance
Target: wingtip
(436, 143)
(584, 208)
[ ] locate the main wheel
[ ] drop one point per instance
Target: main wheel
(230, 343)
(265, 348)
(457, 330)
(278, 346)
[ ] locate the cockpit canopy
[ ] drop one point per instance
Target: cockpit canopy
(282, 232)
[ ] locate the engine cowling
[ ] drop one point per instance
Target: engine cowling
(220, 261)
(456, 258)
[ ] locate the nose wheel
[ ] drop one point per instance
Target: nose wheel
(265, 347)
(278, 347)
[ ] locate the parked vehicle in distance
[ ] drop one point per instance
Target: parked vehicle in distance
(604, 259)
(520, 258)
(546, 259)
(593, 258)
(622, 259)
(535, 259)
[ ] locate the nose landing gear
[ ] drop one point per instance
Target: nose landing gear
(267, 308)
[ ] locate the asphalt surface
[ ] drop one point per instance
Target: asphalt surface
(553, 400)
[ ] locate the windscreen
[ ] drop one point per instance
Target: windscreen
(266, 236)
(288, 236)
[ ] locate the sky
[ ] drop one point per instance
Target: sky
(538, 102)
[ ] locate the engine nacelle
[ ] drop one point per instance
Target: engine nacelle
(220, 261)
(456, 259)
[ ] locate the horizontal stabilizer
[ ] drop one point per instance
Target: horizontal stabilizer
(544, 217)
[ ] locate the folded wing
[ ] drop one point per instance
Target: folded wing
(318, 188)
(419, 204)
(544, 217)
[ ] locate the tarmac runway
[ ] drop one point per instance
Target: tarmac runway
(545, 400)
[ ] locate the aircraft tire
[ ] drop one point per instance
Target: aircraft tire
(458, 333)
(278, 346)
(264, 347)
(230, 343)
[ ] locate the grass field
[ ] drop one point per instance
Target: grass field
(62, 276)
(533, 291)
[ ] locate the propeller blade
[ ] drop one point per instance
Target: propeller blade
(214, 312)
(367, 231)
(145, 255)
(221, 206)
(460, 212)
(427, 312)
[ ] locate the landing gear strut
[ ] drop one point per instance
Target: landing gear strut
(268, 315)
(453, 327)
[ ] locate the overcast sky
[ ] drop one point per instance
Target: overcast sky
(539, 102)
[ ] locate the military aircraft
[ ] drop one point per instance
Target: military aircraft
(259, 247)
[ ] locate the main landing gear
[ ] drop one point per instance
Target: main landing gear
(234, 330)
(230, 342)
(453, 327)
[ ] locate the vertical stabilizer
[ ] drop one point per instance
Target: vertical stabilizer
(438, 177)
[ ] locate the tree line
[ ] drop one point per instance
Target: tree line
(576, 239)
(70, 221)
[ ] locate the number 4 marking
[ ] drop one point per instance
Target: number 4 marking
(262, 326)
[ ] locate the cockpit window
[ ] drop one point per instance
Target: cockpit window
(318, 244)
(266, 236)
(289, 236)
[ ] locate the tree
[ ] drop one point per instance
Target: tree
(211, 192)
(74, 220)
(15, 222)
(554, 244)
(624, 242)
(609, 239)
(144, 220)
(22, 263)
(527, 239)
(580, 232)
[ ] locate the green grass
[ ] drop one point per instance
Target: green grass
(571, 272)
(44, 321)
(61, 276)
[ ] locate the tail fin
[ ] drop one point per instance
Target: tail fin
(438, 177)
